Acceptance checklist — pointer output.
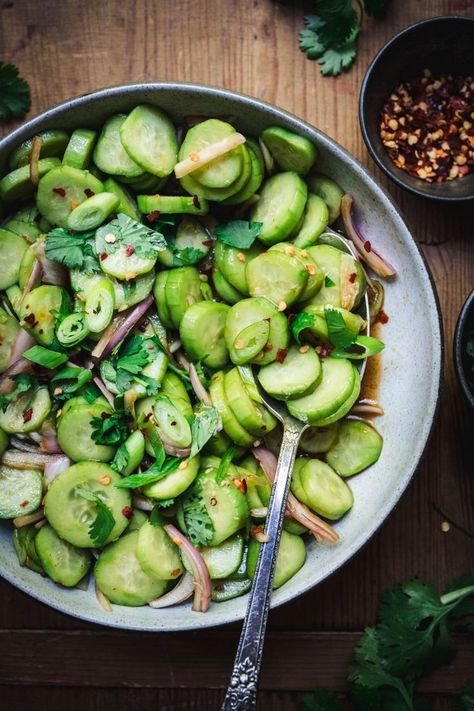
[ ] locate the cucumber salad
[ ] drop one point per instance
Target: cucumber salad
(154, 280)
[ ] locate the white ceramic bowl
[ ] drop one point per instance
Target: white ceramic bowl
(412, 360)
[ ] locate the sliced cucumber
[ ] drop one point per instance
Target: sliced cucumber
(230, 423)
(4, 442)
(26, 230)
(299, 374)
(353, 322)
(72, 330)
(224, 288)
(99, 306)
(291, 558)
(281, 205)
(20, 491)
(182, 290)
(157, 554)
(175, 483)
(17, 185)
(135, 446)
(9, 329)
(315, 275)
(15, 297)
(329, 261)
(75, 431)
(279, 277)
(346, 406)
(145, 183)
(256, 175)
(79, 149)
(138, 520)
(122, 264)
(222, 172)
(249, 342)
(290, 151)
(110, 155)
(172, 204)
(24, 544)
(149, 137)
(53, 143)
(119, 575)
(228, 589)
(335, 387)
(91, 213)
(12, 250)
(63, 189)
(317, 485)
(26, 267)
(253, 417)
(233, 262)
(159, 292)
(174, 388)
(62, 562)
(26, 412)
(255, 310)
(315, 221)
(172, 424)
(72, 516)
(192, 185)
(329, 191)
(357, 447)
(127, 204)
(317, 440)
(37, 311)
(202, 333)
(223, 560)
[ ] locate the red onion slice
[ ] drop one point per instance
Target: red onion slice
(141, 503)
(29, 460)
(53, 273)
(181, 592)
(198, 387)
(294, 508)
(34, 279)
(22, 343)
(202, 580)
(55, 468)
(49, 441)
(119, 329)
(364, 248)
(103, 389)
(23, 446)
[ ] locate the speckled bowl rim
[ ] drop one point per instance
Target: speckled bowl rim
(203, 621)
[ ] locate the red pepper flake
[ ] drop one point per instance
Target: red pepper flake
(105, 415)
(382, 316)
(281, 355)
(88, 192)
(30, 319)
(24, 503)
(213, 501)
(127, 511)
(28, 414)
(142, 326)
(175, 572)
(152, 216)
(196, 202)
(59, 191)
(353, 277)
(241, 485)
(367, 246)
(208, 242)
(147, 416)
(129, 250)
(103, 256)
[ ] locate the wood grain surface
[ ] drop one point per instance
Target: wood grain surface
(66, 48)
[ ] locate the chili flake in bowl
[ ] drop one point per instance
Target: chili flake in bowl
(427, 127)
(418, 124)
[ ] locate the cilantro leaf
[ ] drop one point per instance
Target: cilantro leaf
(224, 464)
(157, 445)
(199, 526)
(110, 429)
(75, 251)
(339, 334)
(376, 8)
(299, 323)
(156, 519)
(104, 522)
(165, 503)
(125, 367)
(69, 380)
(146, 242)
(467, 696)
(15, 99)
(152, 474)
(187, 256)
(23, 382)
(309, 40)
(205, 424)
(339, 21)
(320, 700)
(239, 233)
(334, 60)
(121, 459)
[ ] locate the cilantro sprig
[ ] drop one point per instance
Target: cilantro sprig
(199, 526)
(145, 241)
(151, 475)
(329, 35)
(15, 99)
(102, 526)
(75, 251)
(239, 233)
(126, 366)
(23, 383)
(206, 423)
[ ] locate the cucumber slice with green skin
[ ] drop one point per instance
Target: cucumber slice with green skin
(17, 185)
(79, 149)
(317, 485)
(28, 213)
(222, 560)
(315, 275)
(99, 307)
(121, 578)
(110, 155)
(315, 221)
(37, 310)
(256, 176)
(159, 292)
(357, 447)
(63, 189)
(75, 432)
(172, 204)
(290, 151)
(233, 262)
(93, 212)
(24, 544)
(353, 282)
(135, 446)
(281, 205)
(26, 230)
(328, 260)
(149, 137)
(12, 249)
(157, 554)
(145, 183)
(9, 329)
(72, 330)
(291, 557)
(174, 388)
(138, 519)
(202, 333)
(228, 589)
(317, 440)
(346, 406)
(252, 417)
(192, 185)
(20, 491)
(175, 483)
(230, 423)
(27, 412)
(182, 290)
(222, 172)
(4, 442)
(127, 204)
(299, 374)
(53, 143)
(224, 288)
(336, 385)
(172, 425)
(329, 191)
(353, 322)
(278, 277)
(226, 505)
(71, 515)
(249, 342)
(219, 444)
(155, 370)
(15, 297)
(121, 264)
(254, 310)
(26, 267)
(191, 237)
(126, 293)
(62, 562)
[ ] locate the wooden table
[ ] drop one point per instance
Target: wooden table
(65, 48)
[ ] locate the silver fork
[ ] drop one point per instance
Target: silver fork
(241, 694)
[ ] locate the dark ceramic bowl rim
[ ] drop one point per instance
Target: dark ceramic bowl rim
(396, 174)
(463, 318)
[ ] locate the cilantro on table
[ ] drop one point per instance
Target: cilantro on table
(75, 251)
(206, 423)
(412, 638)
(102, 526)
(146, 242)
(151, 475)
(199, 526)
(238, 233)
(15, 99)
(330, 34)
(126, 366)
(23, 383)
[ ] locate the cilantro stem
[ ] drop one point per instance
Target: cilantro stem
(453, 522)
(456, 595)
(361, 12)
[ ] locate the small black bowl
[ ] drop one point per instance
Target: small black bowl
(445, 45)
(464, 363)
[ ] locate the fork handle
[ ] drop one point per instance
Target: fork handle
(241, 693)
